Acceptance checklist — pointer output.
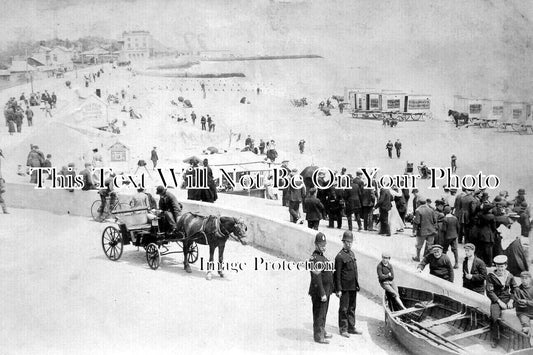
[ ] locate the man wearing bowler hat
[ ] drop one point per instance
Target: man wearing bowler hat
(320, 288)
(439, 264)
(346, 286)
(500, 287)
(474, 270)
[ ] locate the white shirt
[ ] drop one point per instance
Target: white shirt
(469, 264)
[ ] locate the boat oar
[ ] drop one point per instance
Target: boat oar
(439, 339)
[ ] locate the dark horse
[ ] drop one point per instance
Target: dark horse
(210, 230)
(457, 117)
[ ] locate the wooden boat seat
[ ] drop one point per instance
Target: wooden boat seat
(412, 309)
(471, 333)
(452, 318)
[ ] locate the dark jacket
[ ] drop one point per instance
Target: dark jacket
(498, 291)
(87, 180)
(346, 278)
(524, 294)
(368, 197)
(441, 267)
(450, 227)
(154, 155)
(401, 203)
(425, 221)
(314, 209)
(169, 202)
(385, 200)
(353, 195)
(321, 282)
(384, 271)
(468, 205)
(296, 194)
(479, 274)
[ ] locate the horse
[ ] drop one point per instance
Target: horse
(210, 230)
(457, 116)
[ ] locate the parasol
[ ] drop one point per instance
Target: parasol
(191, 159)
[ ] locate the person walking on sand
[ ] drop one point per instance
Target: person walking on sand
(389, 147)
(154, 158)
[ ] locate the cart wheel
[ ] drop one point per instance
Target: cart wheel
(416, 117)
(94, 210)
(192, 253)
(152, 256)
(112, 243)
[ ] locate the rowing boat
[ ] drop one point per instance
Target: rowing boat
(437, 324)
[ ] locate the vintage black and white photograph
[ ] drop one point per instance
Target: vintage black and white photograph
(266, 176)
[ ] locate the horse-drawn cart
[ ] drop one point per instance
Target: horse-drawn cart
(136, 227)
(153, 233)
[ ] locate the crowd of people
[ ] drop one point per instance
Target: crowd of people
(15, 111)
(91, 77)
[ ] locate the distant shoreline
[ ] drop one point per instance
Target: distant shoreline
(265, 57)
(189, 75)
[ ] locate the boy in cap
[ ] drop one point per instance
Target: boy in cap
(346, 286)
(450, 232)
(320, 289)
(523, 297)
(386, 278)
(474, 270)
(500, 287)
(439, 264)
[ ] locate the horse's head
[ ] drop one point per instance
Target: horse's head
(239, 230)
(450, 112)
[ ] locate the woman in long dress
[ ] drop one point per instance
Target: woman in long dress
(395, 221)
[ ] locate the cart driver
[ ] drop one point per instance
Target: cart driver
(168, 203)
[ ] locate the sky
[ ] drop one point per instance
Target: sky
(473, 44)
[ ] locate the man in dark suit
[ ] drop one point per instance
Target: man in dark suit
(353, 198)
(468, 205)
(320, 289)
(389, 147)
(474, 271)
(368, 198)
(296, 195)
(346, 286)
(384, 204)
(314, 209)
(153, 157)
(424, 227)
(285, 191)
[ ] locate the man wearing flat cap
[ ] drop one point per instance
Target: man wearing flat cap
(523, 297)
(320, 289)
(500, 287)
(439, 264)
(314, 209)
(474, 270)
(346, 286)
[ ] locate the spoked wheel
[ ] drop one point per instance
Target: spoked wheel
(192, 253)
(112, 243)
(152, 256)
(120, 207)
(94, 211)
